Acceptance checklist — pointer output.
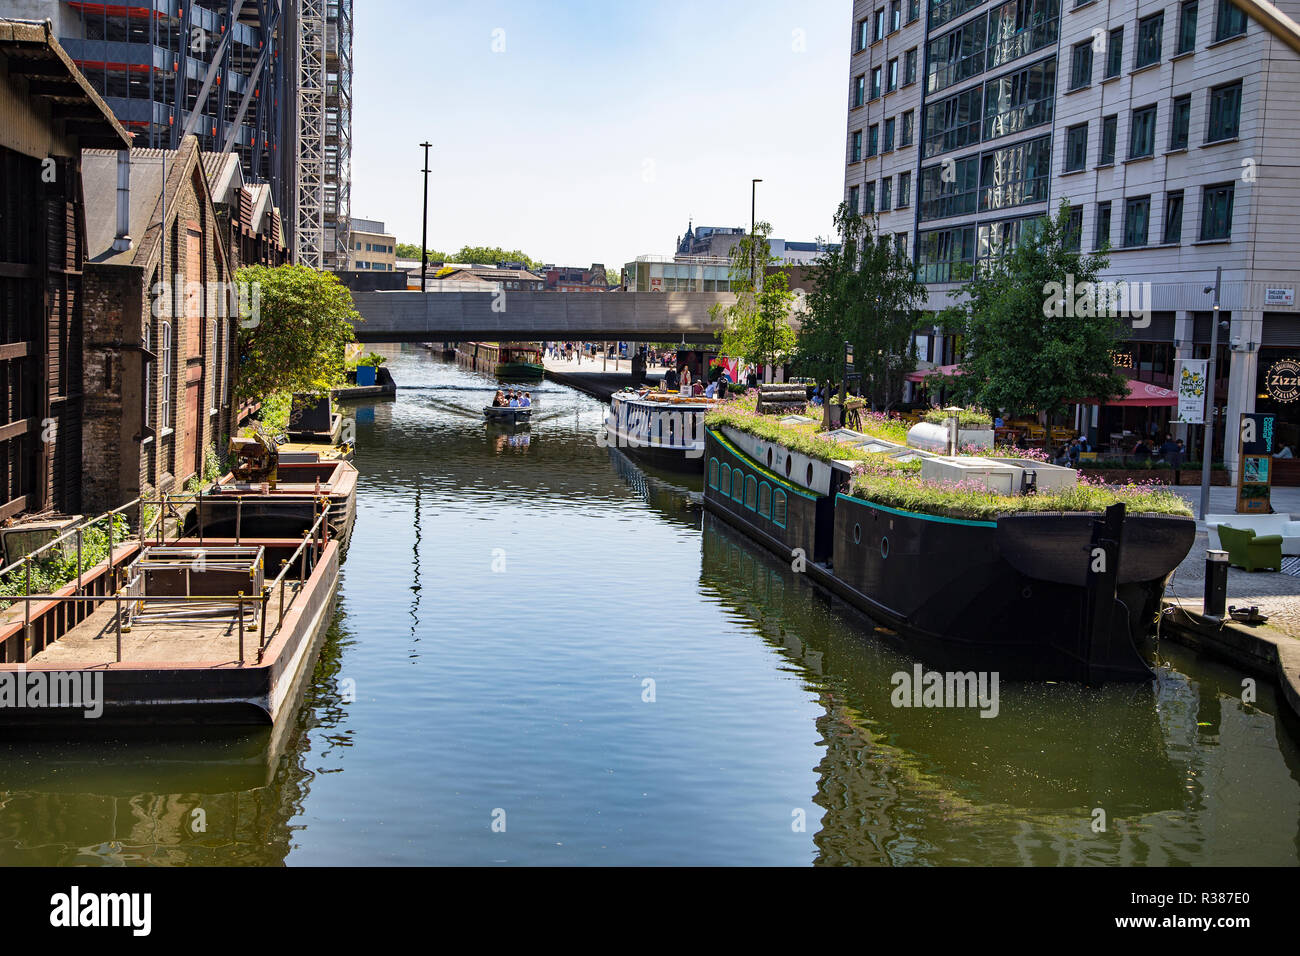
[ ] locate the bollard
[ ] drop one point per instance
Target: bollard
(1216, 584)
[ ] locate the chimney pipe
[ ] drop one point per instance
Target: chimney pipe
(123, 240)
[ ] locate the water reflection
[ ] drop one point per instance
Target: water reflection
(1160, 766)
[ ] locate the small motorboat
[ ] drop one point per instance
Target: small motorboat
(507, 415)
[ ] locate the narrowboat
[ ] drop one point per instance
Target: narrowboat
(1031, 595)
(513, 361)
(315, 432)
(173, 632)
(660, 429)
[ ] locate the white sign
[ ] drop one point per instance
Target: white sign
(1190, 376)
(1279, 296)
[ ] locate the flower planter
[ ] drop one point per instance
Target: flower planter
(1123, 476)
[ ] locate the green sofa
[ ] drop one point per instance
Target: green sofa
(1251, 551)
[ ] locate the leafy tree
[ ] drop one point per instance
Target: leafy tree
(1037, 326)
(411, 250)
(613, 277)
(756, 328)
(294, 342)
(865, 292)
(489, 255)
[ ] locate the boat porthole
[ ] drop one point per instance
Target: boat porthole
(810, 474)
(1027, 593)
(884, 547)
(769, 458)
(857, 534)
(788, 460)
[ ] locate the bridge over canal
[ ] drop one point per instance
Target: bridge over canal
(538, 316)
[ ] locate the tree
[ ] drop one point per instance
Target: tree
(292, 339)
(490, 255)
(613, 278)
(756, 328)
(865, 292)
(1038, 324)
(411, 250)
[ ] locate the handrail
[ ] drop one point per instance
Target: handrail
(317, 537)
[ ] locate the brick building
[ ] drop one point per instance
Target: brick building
(48, 113)
(158, 354)
(253, 228)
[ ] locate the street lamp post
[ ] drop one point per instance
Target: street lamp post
(1208, 428)
(753, 242)
(424, 235)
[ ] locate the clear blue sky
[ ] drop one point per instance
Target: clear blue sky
(602, 126)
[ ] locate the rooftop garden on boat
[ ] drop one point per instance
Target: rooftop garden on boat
(881, 477)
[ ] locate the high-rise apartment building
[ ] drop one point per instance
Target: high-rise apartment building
(1171, 127)
(269, 80)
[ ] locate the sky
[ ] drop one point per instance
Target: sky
(580, 131)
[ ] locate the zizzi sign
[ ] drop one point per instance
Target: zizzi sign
(1282, 380)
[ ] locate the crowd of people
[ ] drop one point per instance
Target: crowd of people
(512, 398)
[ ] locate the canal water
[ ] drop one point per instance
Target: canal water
(544, 655)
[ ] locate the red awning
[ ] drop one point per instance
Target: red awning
(1139, 395)
(920, 375)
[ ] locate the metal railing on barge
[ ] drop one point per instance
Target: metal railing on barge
(106, 576)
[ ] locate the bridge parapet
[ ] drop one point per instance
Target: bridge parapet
(536, 316)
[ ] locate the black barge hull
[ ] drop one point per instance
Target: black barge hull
(1010, 595)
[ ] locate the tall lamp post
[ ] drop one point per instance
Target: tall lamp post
(1208, 429)
(424, 235)
(753, 248)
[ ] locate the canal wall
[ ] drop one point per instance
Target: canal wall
(1262, 649)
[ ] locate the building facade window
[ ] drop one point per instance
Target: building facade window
(1142, 133)
(1081, 65)
(957, 55)
(904, 189)
(875, 82)
(880, 24)
(1019, 27)
(909, 122)
(1216, 211)
(953, 122)
(1187, 27)
(1224, 120)
(1015, 175)
(945, 193)
(889, 135)
(945, 11)
(1231, 21)
(1115, 52)
(863, 35)
(869, 198)
(873, 139)
(1174, 217)
(892, 76)
(1101, 238)
(909, 67)
(855, 150)
(859, 90)
(895, 15)
(941, 254)
(855, 204)
(1074, 229)
(1020, 100)
(165, 376)
(1076, 148)
(886, 193)
(1137, 221)
(1151, 32)
(1180, 122)
(1109, 129)
(913, 10)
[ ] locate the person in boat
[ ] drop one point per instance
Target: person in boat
(499, 400)
(712, 390)
(697, 389)
(686, 379)
(526, 401)
(670, 378)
